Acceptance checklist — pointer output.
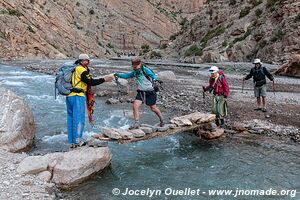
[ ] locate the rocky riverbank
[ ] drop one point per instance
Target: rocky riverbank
(13, 185)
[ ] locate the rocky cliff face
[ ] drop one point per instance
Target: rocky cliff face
(238, 30)
(59, 29)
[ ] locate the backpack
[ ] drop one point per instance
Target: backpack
(260, 82)
(155, 86)
(63, 79)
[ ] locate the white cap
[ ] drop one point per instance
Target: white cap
(257, 61)
(83, 57)
(213, 69)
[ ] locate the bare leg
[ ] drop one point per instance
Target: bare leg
(264, 102)
(259, 102)
(136, 106)
(158, 113)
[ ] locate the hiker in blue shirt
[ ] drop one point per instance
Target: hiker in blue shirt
(145, 92)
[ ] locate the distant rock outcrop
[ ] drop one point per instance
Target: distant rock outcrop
(17, 128)
(60, 29)
(240, 31)
(292, 68)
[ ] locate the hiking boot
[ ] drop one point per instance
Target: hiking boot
(161, 124)
(134, 125)
(82, 143)
(264, 110)
(217, 122)
(222, 123)
(257, 109)
(73, 146)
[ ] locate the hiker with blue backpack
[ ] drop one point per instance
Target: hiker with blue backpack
(74, 81)
(219, 87)
(259, 73)
(147, 83)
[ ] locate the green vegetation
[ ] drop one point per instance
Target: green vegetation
(145, 48)
(277, 35)
(212, 33)
(258, 12)
(262, 44)
(3, 12)
(248, 32)
(194, 50)
(255, 3)
(297, 18)
(91, 12)
(224, 43)
(271, 4)
(171, 14)
(109, 45)
(2, 35)
(163, 46)
(155, 54)
(232, 2)
(32, 1)
(100, 44)
(173, 36)
(210, 12)
(13, 12)
(184, 23)
(245, 11)
(30, 29)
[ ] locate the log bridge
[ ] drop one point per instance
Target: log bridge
(187, 123)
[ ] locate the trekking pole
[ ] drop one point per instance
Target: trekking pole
(274, 87)
(243, 85)
(203, 94)
(118, 85)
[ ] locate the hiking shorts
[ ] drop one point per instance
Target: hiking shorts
(147, 97)
(260, 91)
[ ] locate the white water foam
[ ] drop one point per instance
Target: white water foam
(13, 83)
(62, 137)
(55, 138)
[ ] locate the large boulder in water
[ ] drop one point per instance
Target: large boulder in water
(17, 128)
(68, 168)
(292, 68)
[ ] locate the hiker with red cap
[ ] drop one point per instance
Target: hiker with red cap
(219, 87)
(146, 91)
(259, 73)
(81, 95)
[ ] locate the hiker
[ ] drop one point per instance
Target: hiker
(75, 101)
(146, 93)
(219, 86)
(259, 73)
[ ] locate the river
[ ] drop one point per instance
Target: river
(176, 162)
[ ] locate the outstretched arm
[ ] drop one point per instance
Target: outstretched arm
(124, 75)
(86, 78)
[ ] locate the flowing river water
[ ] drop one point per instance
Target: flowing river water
(164, 165)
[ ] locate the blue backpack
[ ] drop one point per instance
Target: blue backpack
(63, 80)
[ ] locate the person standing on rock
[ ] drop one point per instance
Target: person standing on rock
(145, 92)
(219, 86)
(79, 98)
(259, 73)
